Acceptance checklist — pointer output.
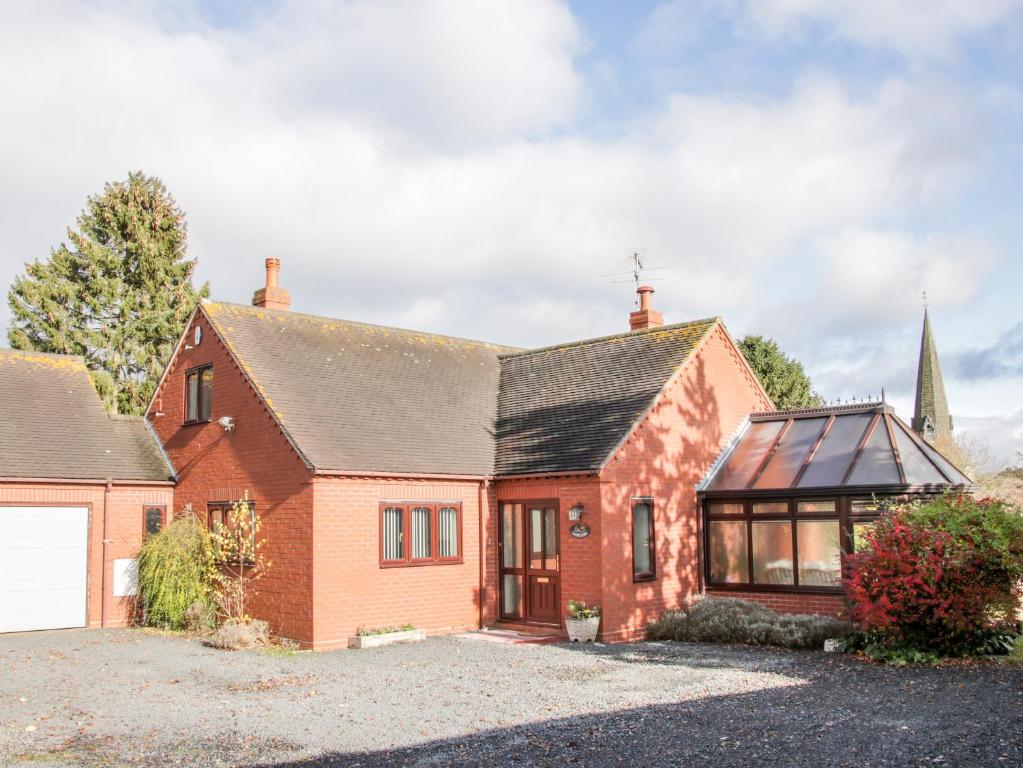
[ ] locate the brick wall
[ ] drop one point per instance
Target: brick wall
(580, 559)
(790, 602)
(124, 531)
(214, 465)
(352, 590)
(669, 453)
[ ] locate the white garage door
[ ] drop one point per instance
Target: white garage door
(42, 567)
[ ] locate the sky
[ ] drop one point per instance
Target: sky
(803, 168)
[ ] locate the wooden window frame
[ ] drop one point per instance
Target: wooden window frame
(792, 516)
(406, 560)
(652, 574)
(224, 507)
(197, 371)
(145, 519)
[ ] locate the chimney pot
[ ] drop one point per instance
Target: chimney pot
(273, 270)
(272, 296)
(645, 317)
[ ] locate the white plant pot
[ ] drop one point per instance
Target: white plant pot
(390, 638)
(582, 630)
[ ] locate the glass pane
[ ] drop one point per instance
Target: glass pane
(877, 464)
(860, 530)
(728, 553)
(192, 409)
(511, 595)
(771, 508)
(422, 543)
(820, 553)
(815, 506)
(550, 539)
(791, 453)
(726, 508)
(154, 520)
(447, 532)
(206, 394)
(742, 462)
(536, 539)
(511, 536)
(641, 534)
(919, 471)
(836, 452)
(394, 543)
(866, 506)
(216, 517)
(772, 553)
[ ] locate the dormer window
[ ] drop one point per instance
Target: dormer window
(199, 394)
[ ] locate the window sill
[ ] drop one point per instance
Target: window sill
(644, 578)
(196, 421)
(419, 563)
(780, 588)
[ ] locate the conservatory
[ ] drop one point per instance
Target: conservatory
(796, 489)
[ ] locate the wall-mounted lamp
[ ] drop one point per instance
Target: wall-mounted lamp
(576, 512)
(227, 423)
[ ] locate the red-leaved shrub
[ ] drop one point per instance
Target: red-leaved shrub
(929, 577)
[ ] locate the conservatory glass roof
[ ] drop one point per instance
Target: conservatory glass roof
(863, 446)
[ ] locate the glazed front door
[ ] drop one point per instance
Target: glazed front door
(530, 562)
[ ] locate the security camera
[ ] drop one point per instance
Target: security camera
(227, 422)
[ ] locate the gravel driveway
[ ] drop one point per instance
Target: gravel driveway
(121, 697)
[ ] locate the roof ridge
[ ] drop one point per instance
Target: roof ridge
(358, 323)
(612, 337)
(876, 406)
(33, 353)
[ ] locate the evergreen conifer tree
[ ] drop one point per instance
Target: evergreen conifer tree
(117, 293)
(783, 377)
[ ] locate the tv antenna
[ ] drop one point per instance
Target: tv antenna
(637, 274)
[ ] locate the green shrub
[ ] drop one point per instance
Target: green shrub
(730, 620)
(176, 569)
(577, 609)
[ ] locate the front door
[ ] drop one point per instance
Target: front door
(530, 562)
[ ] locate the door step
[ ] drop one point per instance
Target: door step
(516, 635)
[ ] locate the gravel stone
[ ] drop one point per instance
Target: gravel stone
(126, 697)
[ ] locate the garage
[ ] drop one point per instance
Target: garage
(75, 484)
(43, 567)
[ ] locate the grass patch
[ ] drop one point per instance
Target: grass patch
(35, 757)
(1016, 657)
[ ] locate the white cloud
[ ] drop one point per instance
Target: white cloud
(419, 168)
(919, 29)
(881, 273)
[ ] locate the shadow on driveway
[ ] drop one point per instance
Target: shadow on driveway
(852, 714)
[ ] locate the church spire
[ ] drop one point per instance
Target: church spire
(931, 419)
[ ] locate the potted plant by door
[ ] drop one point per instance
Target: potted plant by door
(582, 622)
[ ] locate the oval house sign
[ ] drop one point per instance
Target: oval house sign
(579, 531)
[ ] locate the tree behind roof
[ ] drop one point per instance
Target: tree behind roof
(118, 293)
(783, 377)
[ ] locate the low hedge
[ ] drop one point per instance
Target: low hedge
(731, 620)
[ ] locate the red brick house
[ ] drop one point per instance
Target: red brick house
(409, 477)
(78, 492)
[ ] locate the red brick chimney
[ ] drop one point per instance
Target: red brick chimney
(645, 317)
(272, 296)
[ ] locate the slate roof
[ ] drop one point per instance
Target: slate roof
(355, 397)
(860, 447)
(53, 425)
(568, 407)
